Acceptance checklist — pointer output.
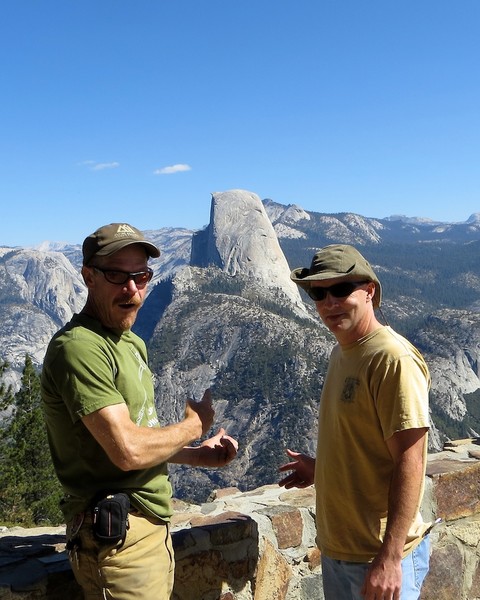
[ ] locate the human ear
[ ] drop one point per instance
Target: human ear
(87, 274)
(371, 290)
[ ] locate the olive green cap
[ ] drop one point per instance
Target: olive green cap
(334, 261)
(110, 238)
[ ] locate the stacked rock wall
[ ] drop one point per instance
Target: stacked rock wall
(260, 545)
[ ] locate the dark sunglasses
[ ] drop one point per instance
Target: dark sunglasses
(338, 290)
(121, 277)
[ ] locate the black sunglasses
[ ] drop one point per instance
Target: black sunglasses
(338, 290)
(121, 277)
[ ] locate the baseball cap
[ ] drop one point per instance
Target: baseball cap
(334, 261)
(110, 238)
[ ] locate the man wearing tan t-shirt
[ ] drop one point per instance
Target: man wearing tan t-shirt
(372, 440)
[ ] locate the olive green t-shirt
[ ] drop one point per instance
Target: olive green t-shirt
(88, 367)
(374, 388)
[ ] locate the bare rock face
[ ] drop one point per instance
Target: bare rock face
(240, 239)
(39, 291)
(451, 342)
(287, 220)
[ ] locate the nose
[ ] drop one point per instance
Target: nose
(330, 301)
(130, 285)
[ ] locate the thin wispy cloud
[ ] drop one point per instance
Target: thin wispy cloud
(102, 166)
(170, 170)
(99, 166)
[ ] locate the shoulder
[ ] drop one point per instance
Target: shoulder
(132, 338)
(385, 350)
(400, 356)
(78, 338)
(393, 344)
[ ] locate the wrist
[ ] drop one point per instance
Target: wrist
(391, 552)
(193, 429)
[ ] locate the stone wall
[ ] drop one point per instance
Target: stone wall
(260, 545)
(453, 494)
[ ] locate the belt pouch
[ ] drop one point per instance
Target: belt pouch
(110, 518)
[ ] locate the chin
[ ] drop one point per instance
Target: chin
(121, 324)
(126, 321)
(126, 324)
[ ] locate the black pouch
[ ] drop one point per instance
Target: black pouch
(110, 518)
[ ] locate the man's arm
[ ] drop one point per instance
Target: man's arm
(407, 449)
(131, 447)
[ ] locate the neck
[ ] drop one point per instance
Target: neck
(364, 328)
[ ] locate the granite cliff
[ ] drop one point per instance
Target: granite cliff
(240, 239)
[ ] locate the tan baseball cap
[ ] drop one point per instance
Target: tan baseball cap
(334, 261)
(110, 238)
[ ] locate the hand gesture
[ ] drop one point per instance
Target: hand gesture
(303, 471)
(202, 411)
(217, 451)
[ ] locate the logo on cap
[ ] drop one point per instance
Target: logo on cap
(124, 230)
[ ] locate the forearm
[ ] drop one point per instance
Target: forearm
(403, 502)
(408, 449)
(131, 447)
(188, 455)
(152, 446)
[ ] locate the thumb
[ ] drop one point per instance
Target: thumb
(220, 433)
(292, 453)
(207, 396)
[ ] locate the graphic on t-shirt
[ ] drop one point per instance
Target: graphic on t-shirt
(152, 418)
(349, 389)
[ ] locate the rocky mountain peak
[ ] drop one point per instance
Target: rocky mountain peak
(39, 291)
(474, 218)
(288, 214)
(240, 239)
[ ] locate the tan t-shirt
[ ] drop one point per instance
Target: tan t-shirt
(373, 388)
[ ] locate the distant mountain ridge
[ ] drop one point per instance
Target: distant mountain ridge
(384, 230)
(473, 218)
(222, 312)
(290, 213)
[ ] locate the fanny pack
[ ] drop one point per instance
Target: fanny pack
(110, 518)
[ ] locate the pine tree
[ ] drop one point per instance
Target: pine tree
(29, 489)
(6, 397)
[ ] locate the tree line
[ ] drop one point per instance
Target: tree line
(29, 489)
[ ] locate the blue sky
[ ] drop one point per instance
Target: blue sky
(137, 111)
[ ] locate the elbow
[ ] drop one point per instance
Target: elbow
(126, 465)
(126, 459)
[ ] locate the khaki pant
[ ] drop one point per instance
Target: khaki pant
(142, 568)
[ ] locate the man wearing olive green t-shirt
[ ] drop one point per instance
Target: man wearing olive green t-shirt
(105, 438)
(372, 440)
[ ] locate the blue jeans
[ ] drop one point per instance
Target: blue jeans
(344, 580)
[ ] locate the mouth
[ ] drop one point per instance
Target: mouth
(128, 305)
(335, 317)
